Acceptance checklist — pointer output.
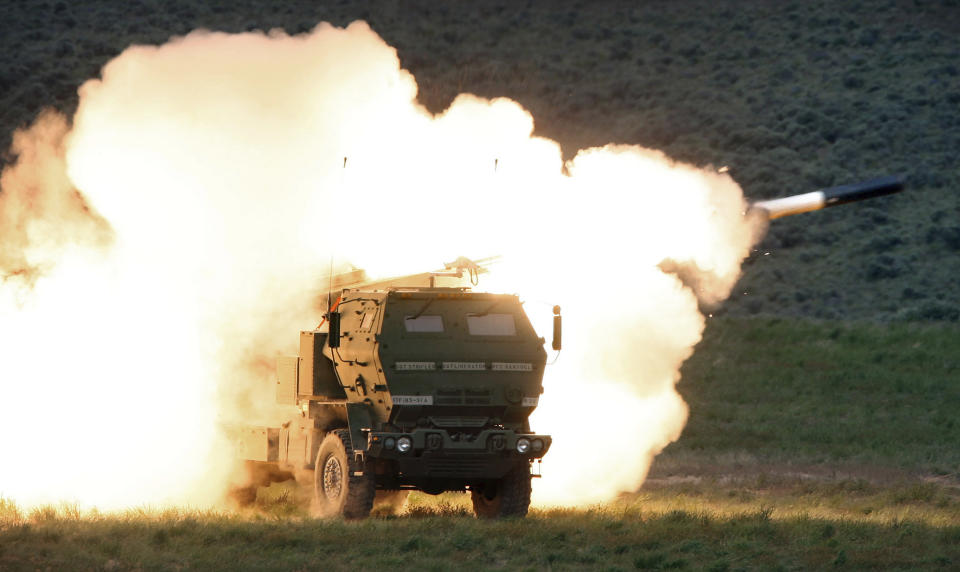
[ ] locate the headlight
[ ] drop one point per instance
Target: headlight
(537, 445)
(404, 444)
(389, 443)
(523, 445)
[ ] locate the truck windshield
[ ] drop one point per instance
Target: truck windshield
(423, 324)
(491, 325)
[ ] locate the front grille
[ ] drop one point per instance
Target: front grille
(449, 397)
(462, 397)
(458, 421)
(456, 467)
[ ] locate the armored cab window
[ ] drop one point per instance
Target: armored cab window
(491, 325)
(423, 324)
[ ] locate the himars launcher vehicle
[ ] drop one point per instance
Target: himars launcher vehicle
(413, 386)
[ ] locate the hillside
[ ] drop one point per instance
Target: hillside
(790, 96)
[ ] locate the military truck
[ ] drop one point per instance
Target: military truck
(412, 385)
(409, 385)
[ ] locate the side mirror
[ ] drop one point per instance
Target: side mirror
(557, 328)
(333, 337)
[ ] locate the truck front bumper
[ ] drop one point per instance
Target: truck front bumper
(492, 442)
(436, 454)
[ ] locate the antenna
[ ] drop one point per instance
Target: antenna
(329, 284)
(330, 273)
(326, 316)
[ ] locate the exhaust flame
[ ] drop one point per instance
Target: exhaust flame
(158, 255)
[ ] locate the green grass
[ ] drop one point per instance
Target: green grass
(789, 497)
(624, 537)
(801, 392)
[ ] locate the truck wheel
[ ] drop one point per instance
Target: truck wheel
(509, 496)
(337, 488)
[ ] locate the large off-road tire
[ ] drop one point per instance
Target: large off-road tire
(510, 496)
(338, 489)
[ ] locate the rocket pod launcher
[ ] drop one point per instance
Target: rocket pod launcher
(409, 384)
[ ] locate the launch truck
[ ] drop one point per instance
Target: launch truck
(409, 385)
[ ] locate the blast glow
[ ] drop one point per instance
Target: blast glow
(216, 163)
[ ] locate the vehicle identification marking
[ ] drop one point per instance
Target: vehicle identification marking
(504, 366)
(530, 401)
(413, 400)
(415, 365)
(464, 366)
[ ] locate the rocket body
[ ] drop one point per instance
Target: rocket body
(817, 200)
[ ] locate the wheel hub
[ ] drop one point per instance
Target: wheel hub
(332, 478)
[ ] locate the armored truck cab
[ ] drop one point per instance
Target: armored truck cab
(410, 388)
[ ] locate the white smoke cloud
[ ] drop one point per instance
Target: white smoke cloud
(211, 170)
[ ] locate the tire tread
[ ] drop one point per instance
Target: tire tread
(513, 494)
(360, 489)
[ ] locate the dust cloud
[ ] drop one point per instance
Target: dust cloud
(160, 248)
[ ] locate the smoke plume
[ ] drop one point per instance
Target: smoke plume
(41, 212)
(160, 253)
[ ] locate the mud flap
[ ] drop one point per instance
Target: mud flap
(360, 423)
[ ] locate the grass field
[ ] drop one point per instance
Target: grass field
(811, 445)
(615, 538)
(804, 392)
